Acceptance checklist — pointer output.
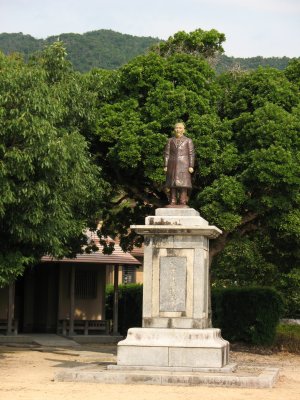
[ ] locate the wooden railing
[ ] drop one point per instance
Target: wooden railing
(4, 326)
(83, 326)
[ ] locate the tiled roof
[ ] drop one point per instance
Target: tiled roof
(136, 251)
(117, 257)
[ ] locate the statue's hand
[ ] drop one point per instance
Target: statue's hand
(191, 170)
(165, 169)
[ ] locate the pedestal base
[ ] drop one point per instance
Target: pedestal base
(182, 348)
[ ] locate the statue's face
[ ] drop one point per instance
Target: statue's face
(179, 130)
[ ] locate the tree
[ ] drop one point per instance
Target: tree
(50, 189)
(102, 48)
(245, 127)
(148, 96)
(262, 108)
(206, 44)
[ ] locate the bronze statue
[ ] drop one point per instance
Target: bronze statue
(179, 159)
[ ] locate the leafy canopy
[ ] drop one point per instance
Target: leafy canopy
(50, 189)
(245, 126)
(197, 43)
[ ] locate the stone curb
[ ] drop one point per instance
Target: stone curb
(265, 379)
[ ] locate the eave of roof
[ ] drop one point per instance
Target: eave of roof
(118, 257)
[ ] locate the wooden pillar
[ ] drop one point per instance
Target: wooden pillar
(11, 308)
(116, 297)
(72, 301)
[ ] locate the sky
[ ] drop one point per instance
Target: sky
(252, 27)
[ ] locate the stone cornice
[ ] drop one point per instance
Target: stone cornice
(209, 231)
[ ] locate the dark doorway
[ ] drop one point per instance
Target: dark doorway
(37, 299)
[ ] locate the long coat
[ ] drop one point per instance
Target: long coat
(179, 156)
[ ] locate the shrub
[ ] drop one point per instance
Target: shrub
(243, 314)
(288, 286)
(247, 314)
(130, 306)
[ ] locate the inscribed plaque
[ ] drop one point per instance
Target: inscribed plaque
(172, 290)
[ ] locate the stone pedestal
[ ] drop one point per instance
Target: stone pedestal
(176, 345)
(176, 329)
(185, 349)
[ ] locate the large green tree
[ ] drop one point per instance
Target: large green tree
(262, 108)
(50, 189)
(245, 126)
(143, 101)
(207, 44)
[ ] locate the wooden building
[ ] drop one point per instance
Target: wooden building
(67, 296)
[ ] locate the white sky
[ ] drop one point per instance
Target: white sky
(252, 27)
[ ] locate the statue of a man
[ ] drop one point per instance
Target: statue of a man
(179, 159)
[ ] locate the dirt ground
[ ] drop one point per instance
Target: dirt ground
(27, 373)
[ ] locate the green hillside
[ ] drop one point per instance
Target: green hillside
(226, 63)
(101, 49)
(109, 50)
(17, 42)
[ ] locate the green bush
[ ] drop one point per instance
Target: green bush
(247, 314)
(130, 306)
(244, 314)
(288, 286)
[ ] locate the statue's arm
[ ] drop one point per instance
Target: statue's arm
(191, 154)
(166, 155)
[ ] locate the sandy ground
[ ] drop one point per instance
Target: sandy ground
(27, 374)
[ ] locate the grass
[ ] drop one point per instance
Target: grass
(289, 329)
(288, 338)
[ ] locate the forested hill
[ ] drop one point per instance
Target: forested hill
(109, 50)
(102, 49)
(229, 63)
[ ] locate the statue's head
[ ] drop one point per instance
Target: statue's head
(179, 129)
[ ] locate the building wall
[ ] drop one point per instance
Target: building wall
(110, 274)
(93, 308)
(138, 276)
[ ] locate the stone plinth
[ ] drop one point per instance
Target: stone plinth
(176, 329)
(176, 276)
(175, 348)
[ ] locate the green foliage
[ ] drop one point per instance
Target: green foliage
(197, 43)
(247, 314)
(242, 261)
(19, 43)
(12, 265)
(129, 306)
(245, 126)
(53, 60)
(288, 284)
(223, 201)
(97, 49)
(247, 92)
(150, 94)
(225, 63)
(110, 50)
(50, 190)
(292, 72)
(288, 338)
(262, 110)
(289, 329)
